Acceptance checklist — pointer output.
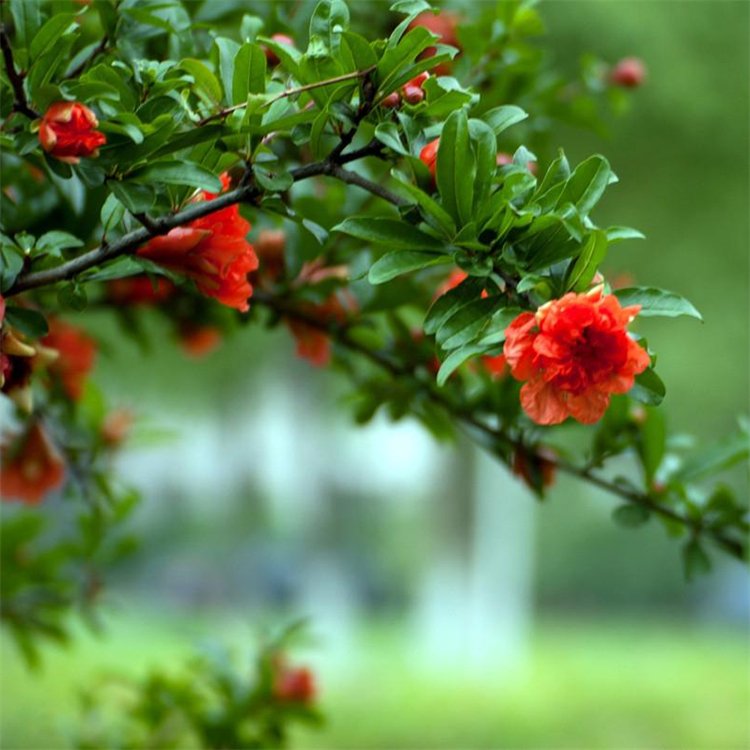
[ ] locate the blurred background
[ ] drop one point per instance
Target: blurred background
(447, 607)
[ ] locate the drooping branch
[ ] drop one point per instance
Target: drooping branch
(20, 103)
(153, 227)
(343, 336)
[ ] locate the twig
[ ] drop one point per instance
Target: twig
(290, 92)
(342, 335)
(20, 103)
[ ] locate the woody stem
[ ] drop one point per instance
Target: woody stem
(342, 335)
(20, 103)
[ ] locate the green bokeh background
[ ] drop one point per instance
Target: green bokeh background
(624, 653)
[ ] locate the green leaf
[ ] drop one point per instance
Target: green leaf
(468, 322)
(587, 184)
(657, 302)
(226, 51)
(204, 79)
(631, 515)
(388, 134)
(402, 54)
(178, 173)
(27, 19)
(499, 321)
(652, 442)
(276, 181)
(46, 37)
(618, 234)
(400, 262)
(485, 152)
(501, 118)
(648, 388)
(56, 241)
(447, 304)
(249, 75)
(695, 560)
(328, 22)
(433, 212)
(11, 264)
(714, 458)
(455, 359)
(582, 270)
(456, 168)
(136, 198)
(29, 322)
(392, 232)
(72, 296)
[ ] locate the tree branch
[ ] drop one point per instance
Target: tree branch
(341, 334)
(154, 227)
(20, 103)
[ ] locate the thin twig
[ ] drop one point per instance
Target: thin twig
(20, 103)
(290, 92)
(341, 333)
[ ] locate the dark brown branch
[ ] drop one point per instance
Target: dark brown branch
(341, 333)
(20, 103)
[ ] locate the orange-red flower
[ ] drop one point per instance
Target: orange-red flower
(537, 469)
(444, 24)
(76, 353)
(31, 467)
(139, 290)
(212, 251)
(294, 685)
(67, 132)
(574, 353)
(270, 247)
(428, 156)
(198, 341)
(313, 343)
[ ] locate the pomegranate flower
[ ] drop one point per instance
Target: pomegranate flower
(76, 353)
(574, 353)
(294, 685)
(31, 467)
(67, 132)
(213, 251)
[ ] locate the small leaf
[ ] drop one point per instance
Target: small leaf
(456, 168)
(27, 321)
(501, 118)
(391, 232)
(582, 270)
(455, 359)
(695, 560)
(178, 173)
(400, 262)
(657, 302)
(648, 388)
(631, 515)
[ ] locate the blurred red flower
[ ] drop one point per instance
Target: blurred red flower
(139, 290)
(67, 132)
(574, 353)
(444, 24)
(294, 685)
(213, 251)
(31, 467)
(76, 352)
(313, 343)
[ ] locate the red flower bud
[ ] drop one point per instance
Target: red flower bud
(412, 91)
(503, 159)
(537, 469)
(391, 101)
(428, 156)
(294, 685)
(198, 341)
(31, 468)
(67, 132)
(629, 73)
(271, 56)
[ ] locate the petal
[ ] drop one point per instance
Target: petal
(589, 406)
(543, 402)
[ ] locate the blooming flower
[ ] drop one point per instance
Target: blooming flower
(30, 468)
(139, 290)
(574, 353)
(67, 132)
(76, 353)
(212, 251)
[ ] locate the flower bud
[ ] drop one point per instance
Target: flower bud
(428, 156)
(67, 132)
(629, 73)
(391, 101)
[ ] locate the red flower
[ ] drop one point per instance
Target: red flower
(496, 366)
(270, 247)
(503, 159)
(313, 343)
(139, 290)
(116, 427)
(198, 341)
(574, 353)
(76, 356)
(294, 685)
(428, 156)
(31, 468)
(271, 56)
(67, 132)
(537, 469)
(443, 24)
(212, 251)
(629, 73)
